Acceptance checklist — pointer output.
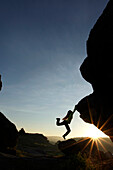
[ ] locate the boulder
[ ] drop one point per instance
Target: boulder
(86, 146)
(8, 133)
(71, 147)
(97, 70)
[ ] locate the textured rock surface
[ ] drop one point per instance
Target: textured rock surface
(8, 133)
(85, 146)
(70, 147)
(97, 69)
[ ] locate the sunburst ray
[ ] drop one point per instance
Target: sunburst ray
(105, 123)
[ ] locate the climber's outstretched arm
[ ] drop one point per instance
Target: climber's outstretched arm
(75, 108)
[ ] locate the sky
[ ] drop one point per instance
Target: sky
(42, 45)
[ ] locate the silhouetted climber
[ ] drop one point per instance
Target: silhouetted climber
(66, 121)
(0, 83)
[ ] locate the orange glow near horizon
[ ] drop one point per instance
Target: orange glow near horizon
(96, 135)
(97, 132)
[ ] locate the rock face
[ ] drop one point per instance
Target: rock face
(87, 146)
(97, 70)
(8, 133)
(70, 146)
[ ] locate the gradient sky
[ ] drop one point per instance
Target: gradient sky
(42, 45)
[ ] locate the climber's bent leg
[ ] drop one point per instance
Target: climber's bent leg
(68, 129)
(58, 123)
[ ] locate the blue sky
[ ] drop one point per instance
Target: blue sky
(42, 45)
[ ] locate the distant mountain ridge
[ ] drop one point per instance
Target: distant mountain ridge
(54, 139)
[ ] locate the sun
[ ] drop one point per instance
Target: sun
(95, 137)
(94, 132)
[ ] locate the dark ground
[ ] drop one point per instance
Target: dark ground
(34, 152)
